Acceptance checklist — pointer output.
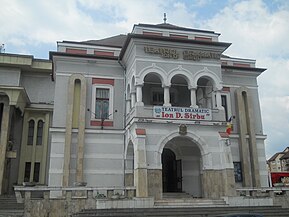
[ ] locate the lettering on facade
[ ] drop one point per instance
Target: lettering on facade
(199, 114)
(187, 54)
(163, 52)
(198, 55)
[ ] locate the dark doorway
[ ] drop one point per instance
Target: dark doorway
(172, 172)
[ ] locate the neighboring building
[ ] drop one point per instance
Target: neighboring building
(147, 110)
(279, 162)
(285, 162)
(274, 162)
(26, 105)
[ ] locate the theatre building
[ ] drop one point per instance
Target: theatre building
(147, 110)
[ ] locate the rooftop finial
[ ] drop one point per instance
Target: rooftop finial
(165, 18)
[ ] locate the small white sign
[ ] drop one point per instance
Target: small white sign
(199, 114)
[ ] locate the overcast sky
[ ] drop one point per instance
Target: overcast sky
(257, 29)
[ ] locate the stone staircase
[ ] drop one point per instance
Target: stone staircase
(185, 200)
(184, 205)
(10, 208)
(183, 212)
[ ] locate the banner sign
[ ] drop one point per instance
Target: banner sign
(200, 114)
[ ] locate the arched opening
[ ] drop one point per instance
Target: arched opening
(40, 126)
(205, 93)
(171, 172)
(179, 92)
(128, 99)
(133, 84)
(76, 103)
(181, 167)
(153, 93)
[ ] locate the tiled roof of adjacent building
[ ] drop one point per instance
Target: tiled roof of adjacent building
(285, 156)
(275, 155)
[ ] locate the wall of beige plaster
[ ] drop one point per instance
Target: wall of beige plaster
(57, 207)
(218, 183)
(129, 179)
(155, 187)
(141, 183)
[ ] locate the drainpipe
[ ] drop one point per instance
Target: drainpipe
(124, 117)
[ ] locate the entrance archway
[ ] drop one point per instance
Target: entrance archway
(172, 172)
(181, 167)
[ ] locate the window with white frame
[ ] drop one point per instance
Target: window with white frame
(226, 103)
(102, 102)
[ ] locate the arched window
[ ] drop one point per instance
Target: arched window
(39, 132)
(31, 124)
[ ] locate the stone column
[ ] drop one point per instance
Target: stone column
(140, 166)
(167, 96)
(3, 141)
(133, 98)
(193, 98)
(139, 101)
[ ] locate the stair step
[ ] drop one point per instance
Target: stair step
(177, 195)
(185, 212)
(11, 213)
(188, 202)
(10, 208)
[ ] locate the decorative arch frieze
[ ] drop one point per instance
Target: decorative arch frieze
(160, 72)
(186, 74)
(217, 82)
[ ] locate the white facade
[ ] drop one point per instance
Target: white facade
(149, 110)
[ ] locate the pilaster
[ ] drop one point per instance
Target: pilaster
(3, 141)
(248, 147)
(140, 166)
(81, 131)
